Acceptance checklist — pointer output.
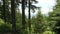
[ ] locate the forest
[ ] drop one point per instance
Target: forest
(14, 21)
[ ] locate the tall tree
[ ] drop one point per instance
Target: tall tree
(4, 17)
(0, 9)
(55, 17)
(13, 5)
(23, 16)
(29, 19)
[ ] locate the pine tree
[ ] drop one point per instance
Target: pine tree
(55, 17)
(13, 5)
(39, 23)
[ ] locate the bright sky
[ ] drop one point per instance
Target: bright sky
(46, 6)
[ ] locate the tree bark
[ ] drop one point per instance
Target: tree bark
(13, 5)
(23, 16)
(29, 19)
(4, 11)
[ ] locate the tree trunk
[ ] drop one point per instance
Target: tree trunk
(4, 11)
(23, 16)
(13, 5)
(29, 19)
